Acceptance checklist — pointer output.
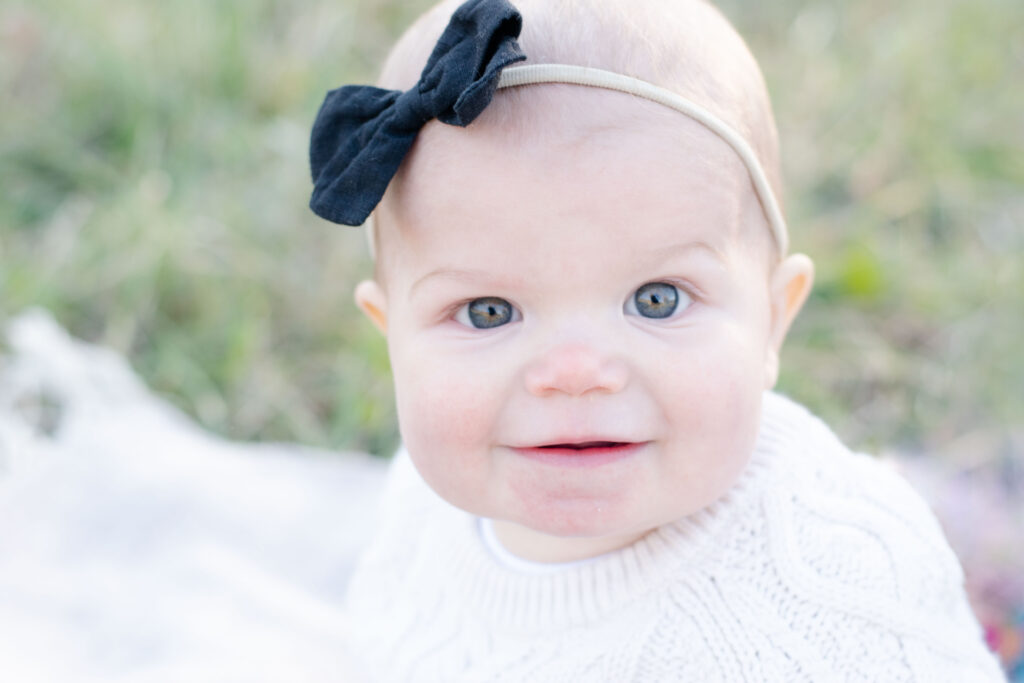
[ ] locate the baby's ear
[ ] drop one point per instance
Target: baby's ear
(372, 301)
(790, 284)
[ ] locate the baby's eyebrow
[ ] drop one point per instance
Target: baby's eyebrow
(682, 248)
(475, 275)
(478, 275)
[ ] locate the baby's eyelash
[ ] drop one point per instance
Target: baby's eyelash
(449, 313)
(452, 309)
(685, 286)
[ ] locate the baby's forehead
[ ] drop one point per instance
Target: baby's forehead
(572, 156)
(558, 132)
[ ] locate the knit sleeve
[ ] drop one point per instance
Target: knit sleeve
(859, 549)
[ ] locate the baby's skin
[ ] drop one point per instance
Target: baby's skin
(581, 320)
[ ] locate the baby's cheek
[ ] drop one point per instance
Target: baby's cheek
(715, 397)
(733, 415)
(447, 420)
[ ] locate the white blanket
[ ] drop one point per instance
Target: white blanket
(136, 547)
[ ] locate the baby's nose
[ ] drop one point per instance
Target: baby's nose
(576, 369)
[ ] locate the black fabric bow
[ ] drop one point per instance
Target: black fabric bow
(362, 133)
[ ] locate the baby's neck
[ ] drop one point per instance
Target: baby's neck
(538, 547)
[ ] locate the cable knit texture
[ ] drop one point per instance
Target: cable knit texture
(819, 565)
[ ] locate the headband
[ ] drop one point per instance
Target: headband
(362, 133)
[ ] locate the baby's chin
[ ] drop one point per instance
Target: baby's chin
(544, 512)
(560, 526)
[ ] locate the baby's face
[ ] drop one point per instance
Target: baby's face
(579, 326)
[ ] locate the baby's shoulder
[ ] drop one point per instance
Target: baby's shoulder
(827, 486)
(854, 550)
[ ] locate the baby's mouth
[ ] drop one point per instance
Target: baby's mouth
(585, 445)
(581, 453)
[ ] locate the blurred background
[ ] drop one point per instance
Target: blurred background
(154, 181)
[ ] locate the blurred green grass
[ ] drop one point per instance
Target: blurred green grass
(153, 188)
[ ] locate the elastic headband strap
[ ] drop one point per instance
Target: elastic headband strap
(515, 76)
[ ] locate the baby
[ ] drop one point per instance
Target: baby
(583, 277)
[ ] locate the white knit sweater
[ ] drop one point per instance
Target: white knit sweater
(819, 565)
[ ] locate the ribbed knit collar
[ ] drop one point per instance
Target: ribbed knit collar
(584, 592)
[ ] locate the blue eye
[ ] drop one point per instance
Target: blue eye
(487, 312)
(657, 300)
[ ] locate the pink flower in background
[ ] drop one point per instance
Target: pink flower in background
(981, 509)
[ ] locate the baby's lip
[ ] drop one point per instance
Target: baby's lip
(578, 443)
(584, 445)
(581, 453)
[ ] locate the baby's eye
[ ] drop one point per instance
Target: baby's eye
(657, 300)
(487, 312)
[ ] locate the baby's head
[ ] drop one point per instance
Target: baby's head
(583, 296)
